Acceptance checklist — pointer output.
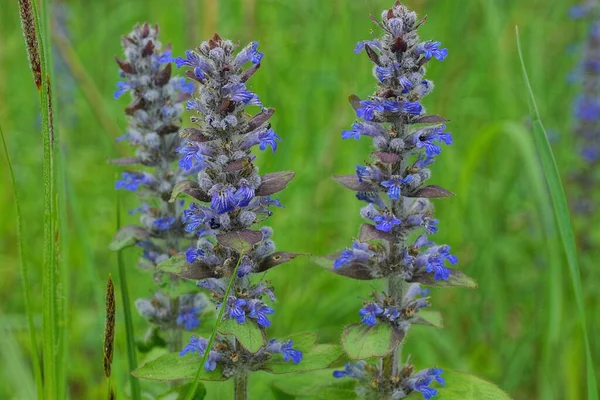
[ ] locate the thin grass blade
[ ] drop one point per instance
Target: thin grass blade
(192, 391)
(37, 371)
(131, 356)
(563, 220)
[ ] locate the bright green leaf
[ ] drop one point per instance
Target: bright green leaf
(250, 336)
(173, 367)
(317, 384)
(320, 356)
(462, 386)
(361, 341)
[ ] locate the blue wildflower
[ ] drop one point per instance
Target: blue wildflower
(164, 223)
(122, 88)
(235, 309)
(133, 180)
(386, 222)
(244, 194)
(259, 311)
(432, 49)
(359, 252)
(363, 128)
(369, 313)
(249, 53)
(368, 108)
(192, 153)
(268, 138)
(238, 92)
(198, 344)
(199, 64)
(360, 46)
(394, 185)
(352, 370)
(192, 254)
(222, 198)
(189, 318)
(285, 348)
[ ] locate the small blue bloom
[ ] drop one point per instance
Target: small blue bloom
(394, 185)
(388, 72)
(259, 311)
(122, 88)
(386, 222)
(369, 313)
(412, 107)
(427, 140)
(268, 138)
(360, 46)
(164, 223)
(192, 254)
(363, 128)
(184, 86)
(420, 382)
(368, 108)
(222, 198)
(370, 197)
(244, 194)
(192, 153)
(405, 83)
(238, 92)
(352, 370)
(285, 348)
(199, 345)
(188, 318)
(359, 252)
(236, 309)
(194, 60)
(249, 53)
(431, 49)
(133, 180)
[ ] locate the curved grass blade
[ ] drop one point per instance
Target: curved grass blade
(563, 220)
(131, 356)
(37, 372)
(196, 381)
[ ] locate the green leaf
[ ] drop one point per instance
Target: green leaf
(127, 236)
(431, 318)
(173, 367)
(462, 386)
(249, 334)
(320, 356)
(563, 220)
(361, 341)
(302, 341)
(317, 384)
(179, 392)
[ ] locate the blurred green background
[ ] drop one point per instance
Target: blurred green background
(519, 329)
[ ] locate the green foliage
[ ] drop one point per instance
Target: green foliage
(510, 331)
(248, 334)
(319, 356)
(173, 367)
(563, 221)
(361, 342)
(461, 386)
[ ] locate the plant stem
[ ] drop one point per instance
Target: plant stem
(241, 387)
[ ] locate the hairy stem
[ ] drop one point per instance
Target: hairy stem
(241, 386)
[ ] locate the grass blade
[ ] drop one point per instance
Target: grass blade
(37, 372)
(34, 31)
(192, 391)
(563, 220)
(135, 383)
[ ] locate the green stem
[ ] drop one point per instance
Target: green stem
(241, 387)
(135, 384)
(192, 391)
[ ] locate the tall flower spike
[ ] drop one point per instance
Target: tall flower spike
(393, 184)
(587, 110)
(231, 198)
(154, 118)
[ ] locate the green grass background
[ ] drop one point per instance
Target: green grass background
(518, 329)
